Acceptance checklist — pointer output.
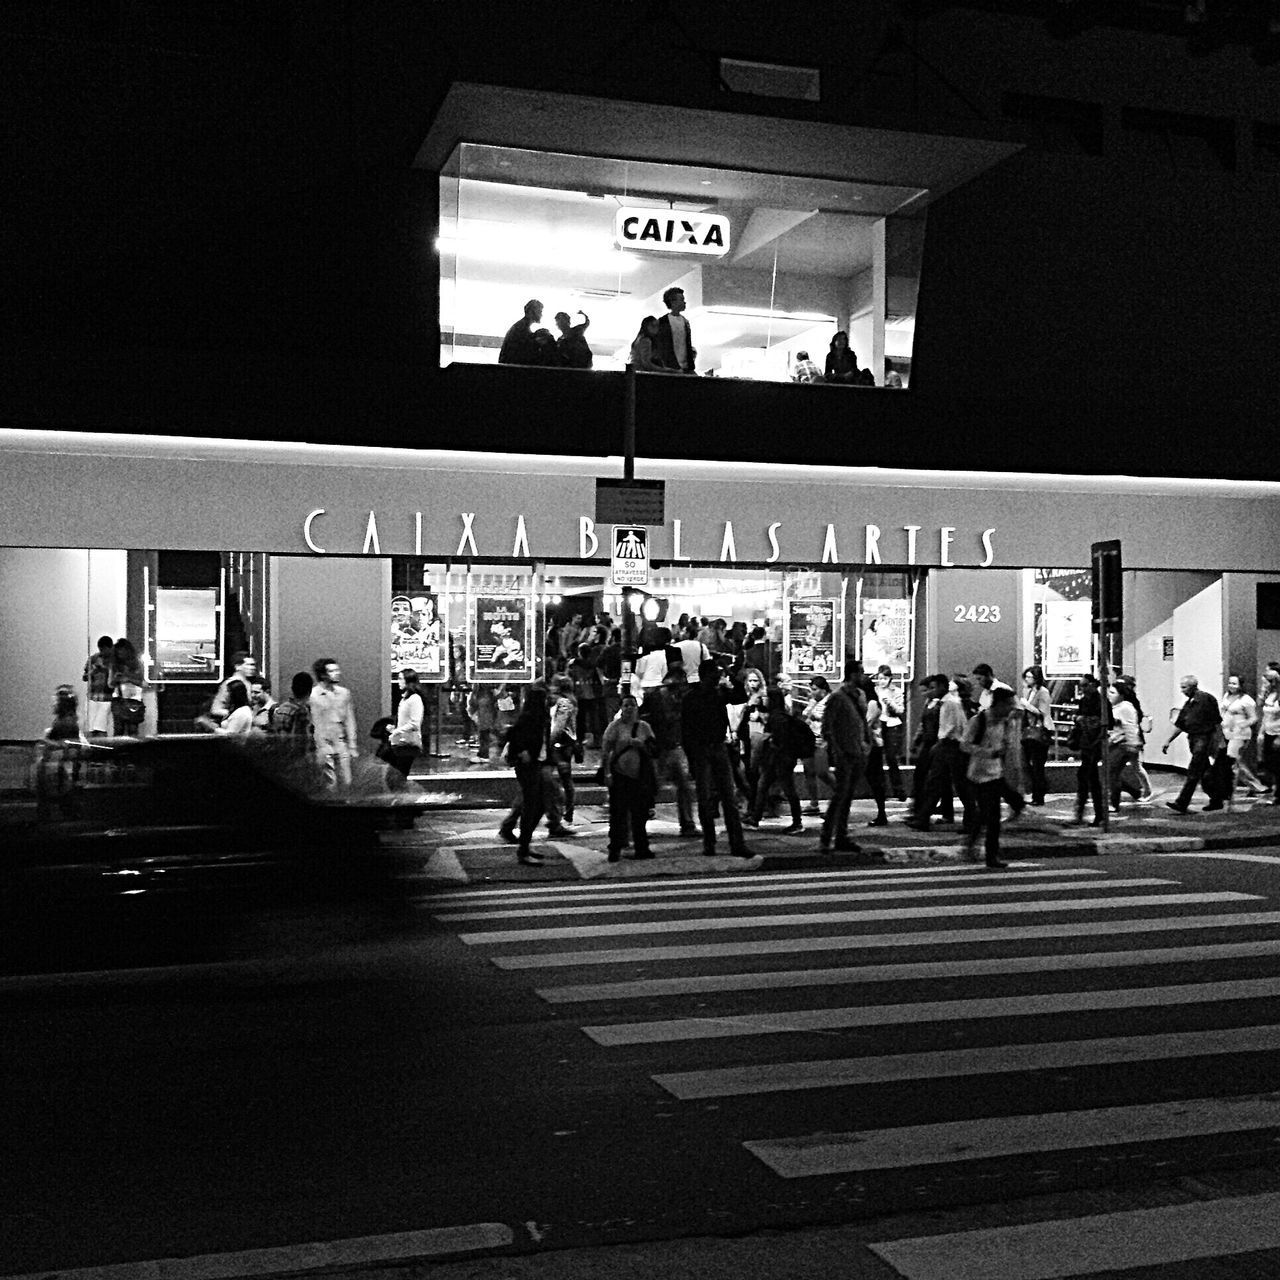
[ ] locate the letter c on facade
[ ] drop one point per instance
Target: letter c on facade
(306, 531)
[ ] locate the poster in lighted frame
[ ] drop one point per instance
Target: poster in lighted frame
(420, 635)
(188, 635)
(1068, 638)
(809, 638)
(500, 639)
(886, 635)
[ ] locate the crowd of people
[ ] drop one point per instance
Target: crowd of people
(663, 344)
(707, 710)
(729, 741)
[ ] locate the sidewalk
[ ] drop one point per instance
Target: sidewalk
(462, 845)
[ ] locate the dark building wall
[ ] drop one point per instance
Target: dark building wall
(215, 228)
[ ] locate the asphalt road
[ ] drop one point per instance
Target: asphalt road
(499, 1060)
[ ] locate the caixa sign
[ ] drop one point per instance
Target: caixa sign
(672, 231)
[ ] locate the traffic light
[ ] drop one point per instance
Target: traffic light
(1108, 590)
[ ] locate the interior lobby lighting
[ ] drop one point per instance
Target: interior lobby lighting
(545, 254)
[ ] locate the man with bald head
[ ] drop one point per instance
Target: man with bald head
(1199, 719)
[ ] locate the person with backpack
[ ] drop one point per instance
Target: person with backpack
(992, 743)
(626, 758)
(775, 760)
(661, 710)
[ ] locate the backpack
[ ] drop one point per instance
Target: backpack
(800, 740)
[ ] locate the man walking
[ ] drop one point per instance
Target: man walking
(704, 725)
(844, 726)
(1199, 719)
(333, 717)
(946, 781)
(244, 671)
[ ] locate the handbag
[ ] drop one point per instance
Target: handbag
(129, 710)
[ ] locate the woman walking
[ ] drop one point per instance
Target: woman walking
(991, 743)
(1037, 729)
(1123, 743)
(1239, 715)
(404, 744)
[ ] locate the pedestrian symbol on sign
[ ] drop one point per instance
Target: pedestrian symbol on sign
(630, 555)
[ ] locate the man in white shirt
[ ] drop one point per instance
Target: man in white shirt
(334, 720)
(675, 347)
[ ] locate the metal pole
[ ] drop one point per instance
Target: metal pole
(1104, 668)
(629, 425)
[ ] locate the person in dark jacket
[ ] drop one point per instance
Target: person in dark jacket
(529, 752)
(519, 346)
(572, 345)
(776, 762)
(1200, 719)
(704, 727)
(673, 346)
(661, 710)
(844, 725)
(842, 364)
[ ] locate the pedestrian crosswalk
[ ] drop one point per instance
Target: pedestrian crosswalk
(893, 998)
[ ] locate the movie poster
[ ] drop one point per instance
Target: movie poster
(187, 647)
(499, 640)
(809, 638)
(418, 636)
(886, 636)
(1068, 642)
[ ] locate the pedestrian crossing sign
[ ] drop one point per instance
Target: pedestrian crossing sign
(630, 555)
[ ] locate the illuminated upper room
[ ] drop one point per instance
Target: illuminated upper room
(797, 231)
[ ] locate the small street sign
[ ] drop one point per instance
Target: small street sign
(630, 558)
(631, 502)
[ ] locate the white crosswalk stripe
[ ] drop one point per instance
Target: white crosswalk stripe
(969, 889)
(851, 918)
(876, 941)
(1107, 1242)
(1216, 997)
(778, 979)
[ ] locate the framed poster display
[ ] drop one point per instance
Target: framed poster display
(420, 635)
(809, 638)
(886, 635)
(1068, 638)
(500, 638)
(188, 635)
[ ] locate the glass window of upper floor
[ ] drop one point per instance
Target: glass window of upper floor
(770, 268)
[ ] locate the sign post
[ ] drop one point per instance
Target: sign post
(1108, 618)
(630, 555)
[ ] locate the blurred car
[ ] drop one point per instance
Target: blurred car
(149, 849)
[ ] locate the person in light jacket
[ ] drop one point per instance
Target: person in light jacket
(404, 745)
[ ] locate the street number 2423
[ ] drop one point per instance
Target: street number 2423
(977, 613)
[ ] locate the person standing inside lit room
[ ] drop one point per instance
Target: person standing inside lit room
(572, 345)
(519, 345)
(674, 346)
